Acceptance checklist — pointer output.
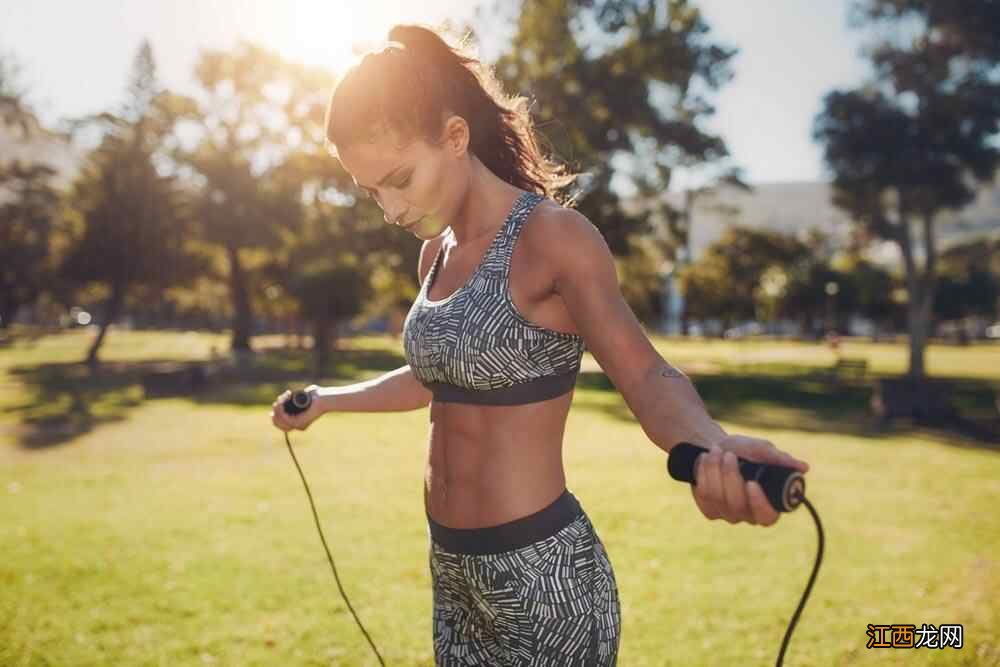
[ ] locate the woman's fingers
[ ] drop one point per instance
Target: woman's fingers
(286, 422)
(279, 417)
(734, 491)
(722, 493)
(763, 513)
(277, 420)
(708, 484)
(707, 507)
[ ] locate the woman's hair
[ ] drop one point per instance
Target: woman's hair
(409, 87)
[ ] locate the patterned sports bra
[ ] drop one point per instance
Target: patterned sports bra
(473, 346)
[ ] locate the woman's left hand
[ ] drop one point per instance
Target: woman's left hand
(721, 492)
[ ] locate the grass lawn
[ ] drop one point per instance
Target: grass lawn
(177, 532)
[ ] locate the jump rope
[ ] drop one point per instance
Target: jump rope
(785, 489)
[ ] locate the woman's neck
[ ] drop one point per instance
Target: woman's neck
(487, 198)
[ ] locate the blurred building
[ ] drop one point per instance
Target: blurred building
(795, 207)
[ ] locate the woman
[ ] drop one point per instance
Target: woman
(514, 287)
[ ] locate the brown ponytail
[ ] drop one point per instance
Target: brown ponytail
(410, 88)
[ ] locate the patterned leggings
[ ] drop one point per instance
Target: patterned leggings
(553, 601)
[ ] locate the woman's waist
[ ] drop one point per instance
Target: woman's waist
(494, 490)
(528, 526)
(495, 461)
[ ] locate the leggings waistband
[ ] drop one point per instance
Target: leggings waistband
(511, 535)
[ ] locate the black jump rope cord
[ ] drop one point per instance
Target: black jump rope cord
(812, 579)
(328, 556)
(784, 642)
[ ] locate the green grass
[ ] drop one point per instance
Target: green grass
(176, 532)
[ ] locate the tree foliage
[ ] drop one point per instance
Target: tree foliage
(15, 111)
(618, 88)
(725, 283)
(27, 221)
(917, 138)
(132, 231)
(970, 280)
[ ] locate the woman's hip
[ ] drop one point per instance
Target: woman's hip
(551, 601)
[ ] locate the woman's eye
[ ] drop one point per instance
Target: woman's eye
(406, 181)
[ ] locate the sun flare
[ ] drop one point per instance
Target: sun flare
(332, 33)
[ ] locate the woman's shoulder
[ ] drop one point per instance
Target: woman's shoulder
(554, 227)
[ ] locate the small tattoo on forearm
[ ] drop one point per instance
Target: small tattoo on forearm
(669, 371)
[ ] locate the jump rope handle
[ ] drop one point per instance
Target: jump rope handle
(784, 487)
(299, 401)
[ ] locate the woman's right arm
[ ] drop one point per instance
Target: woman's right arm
(395, 391)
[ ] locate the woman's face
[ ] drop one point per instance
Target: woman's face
(418, 185)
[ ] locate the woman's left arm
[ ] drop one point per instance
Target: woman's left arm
(661, 397)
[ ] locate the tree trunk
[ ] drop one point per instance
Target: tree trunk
(684, 257)
(242, 314)
(321, 346)
(111, 312)
(805, 325)
(918, 338)
(8, 310)
(920, 285)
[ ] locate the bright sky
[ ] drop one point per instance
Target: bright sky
(76, 56)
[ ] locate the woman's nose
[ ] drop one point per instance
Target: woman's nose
(391, 217)
(394, 207)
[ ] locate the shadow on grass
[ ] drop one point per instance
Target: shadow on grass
(63, 401)
(790, 397)
(66, 400)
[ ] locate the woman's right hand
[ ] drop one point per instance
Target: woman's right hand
(301, 421)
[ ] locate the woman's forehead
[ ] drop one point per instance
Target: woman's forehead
(369, 160)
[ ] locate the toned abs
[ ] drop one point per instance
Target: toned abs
(490, 464)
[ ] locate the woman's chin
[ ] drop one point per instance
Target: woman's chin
(428, 229)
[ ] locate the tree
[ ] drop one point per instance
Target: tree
(916, 139)
(256, 120)
(15, 111)
(131, 231)
(970, 281)
(27, 218)
(325, 267)
(979, 254)
(270, 189)
(28, 203)
(329, 290)
(725, 283)
(871, 287)
(960, 296)
(615, 88)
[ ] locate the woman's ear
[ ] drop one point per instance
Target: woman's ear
(455, 136)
